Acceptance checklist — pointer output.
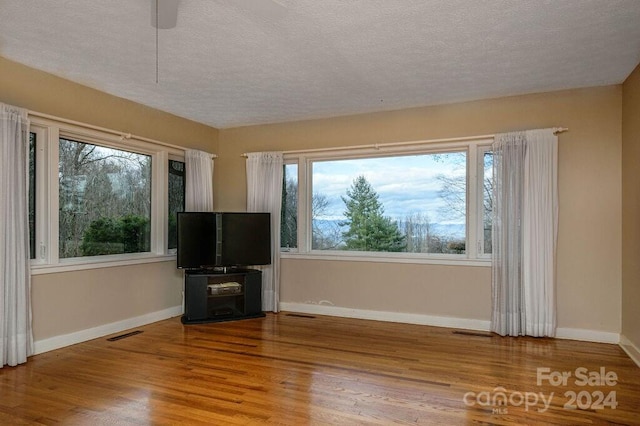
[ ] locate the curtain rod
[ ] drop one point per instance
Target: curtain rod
(122, 135)
(377, 146)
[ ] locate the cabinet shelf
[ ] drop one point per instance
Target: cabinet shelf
(225, 295)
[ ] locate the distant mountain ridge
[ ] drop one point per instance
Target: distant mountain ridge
(455, 230)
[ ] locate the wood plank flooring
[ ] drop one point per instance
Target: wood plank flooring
(291, 369)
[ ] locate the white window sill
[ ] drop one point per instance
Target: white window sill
(456, 260)
(80, 264)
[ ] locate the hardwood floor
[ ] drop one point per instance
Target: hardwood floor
(294, 370)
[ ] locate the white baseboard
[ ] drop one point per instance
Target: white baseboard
(420, 319)
(587, 335)
(437, 321)
(61, 341)
(631, 349)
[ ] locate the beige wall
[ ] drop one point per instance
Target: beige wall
(589, 245)
(64, 303)
(42, 92)
(68, 302)
(631, 208)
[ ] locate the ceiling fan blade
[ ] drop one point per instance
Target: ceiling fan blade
(164, 13)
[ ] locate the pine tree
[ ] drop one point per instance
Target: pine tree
(369, 229)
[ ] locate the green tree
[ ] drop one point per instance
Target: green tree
(369, 229)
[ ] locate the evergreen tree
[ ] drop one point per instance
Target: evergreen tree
(369, 229)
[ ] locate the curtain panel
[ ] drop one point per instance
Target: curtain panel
(16, 339)
(198, 181)
(264, 194)
(525, 225)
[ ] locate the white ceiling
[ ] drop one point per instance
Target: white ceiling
(239, 62)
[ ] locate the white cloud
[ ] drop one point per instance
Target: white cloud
(405, 184)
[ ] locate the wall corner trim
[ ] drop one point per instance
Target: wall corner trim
(57, 342)
(631, 349)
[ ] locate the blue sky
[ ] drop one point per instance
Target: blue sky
(405, 185)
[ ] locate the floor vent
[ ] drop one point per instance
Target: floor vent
(472, 333)
(123, 336)
(300, 315)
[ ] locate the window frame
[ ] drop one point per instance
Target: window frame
(473, 256)
(181, 159)
(48, 133)
(41, 193)
(482, 150)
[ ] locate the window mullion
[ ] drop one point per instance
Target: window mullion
(159, 204)
(472, 201)
(304, 205)
(481, 199)
(53, 184)
(41, 194)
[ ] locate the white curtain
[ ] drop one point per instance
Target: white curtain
(198, 181)
(525, 223)
(264, 194)
(16, 340)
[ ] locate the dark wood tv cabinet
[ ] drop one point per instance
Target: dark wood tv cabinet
(211, 296)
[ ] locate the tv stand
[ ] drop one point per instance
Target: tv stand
(213, 296)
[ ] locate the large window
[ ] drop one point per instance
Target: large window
(104, 200)
(409, 203)
(96, 197)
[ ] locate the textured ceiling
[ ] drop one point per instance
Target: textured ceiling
(230, 63)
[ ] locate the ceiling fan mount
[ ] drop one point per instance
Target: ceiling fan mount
(164, 14)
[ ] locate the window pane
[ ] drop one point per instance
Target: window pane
(487, 200)
(105, 200)
(412, 203)
(176, 200)
(289, 219)
(32, 195)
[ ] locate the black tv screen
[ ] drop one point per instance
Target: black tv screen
(210, 240)
(196, 240)
(245, 239)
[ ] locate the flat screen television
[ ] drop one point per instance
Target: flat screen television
(223, 240)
